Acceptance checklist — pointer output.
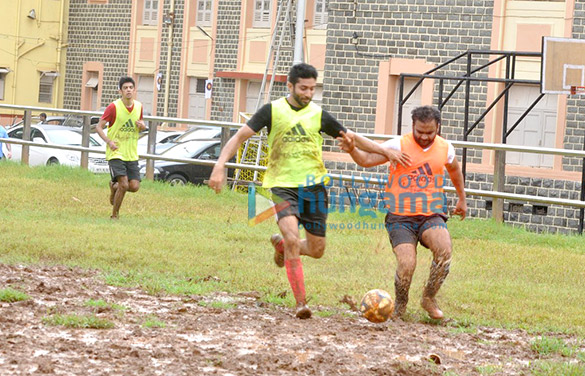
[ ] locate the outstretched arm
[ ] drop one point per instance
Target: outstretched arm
(368, 153)
(457, 178)
(217, 178)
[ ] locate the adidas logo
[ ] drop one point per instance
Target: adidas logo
(423, 170)
(128, 126)
(296, 134)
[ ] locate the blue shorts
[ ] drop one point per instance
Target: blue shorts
(409, 229)
(308, 204)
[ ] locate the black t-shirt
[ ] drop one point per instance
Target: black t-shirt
(263, 118)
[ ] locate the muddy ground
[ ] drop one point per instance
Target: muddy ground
(225, 334)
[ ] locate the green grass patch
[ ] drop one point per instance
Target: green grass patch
(11, 295)
(324, 313)
(100, 303)
(488, 369)
(550, 368)
(222, 305)
(153, 322)
(190, 241)
(550, 345)
(78, 321)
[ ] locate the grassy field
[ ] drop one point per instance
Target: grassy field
(188, 240)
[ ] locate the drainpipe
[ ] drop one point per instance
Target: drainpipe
(299, 30)
(17, 46)
(169, 20)
(60, 46)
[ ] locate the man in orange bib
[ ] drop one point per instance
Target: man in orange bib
(416, 203)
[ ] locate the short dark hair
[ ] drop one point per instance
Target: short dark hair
(43, 115)
(425, 114)
(302, 70)
(124, 80)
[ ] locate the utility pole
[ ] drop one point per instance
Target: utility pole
(298, 56)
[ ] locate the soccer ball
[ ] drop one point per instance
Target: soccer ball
(377, 306)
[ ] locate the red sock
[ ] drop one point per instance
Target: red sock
(296, 278)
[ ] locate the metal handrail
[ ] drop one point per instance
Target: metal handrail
(351, 178)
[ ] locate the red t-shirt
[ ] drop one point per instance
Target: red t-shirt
(110, 113)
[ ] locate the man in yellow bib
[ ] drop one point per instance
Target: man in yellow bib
(416, 203)
(295, 171)
(124, 119)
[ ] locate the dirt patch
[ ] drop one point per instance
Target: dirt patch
(240, 336)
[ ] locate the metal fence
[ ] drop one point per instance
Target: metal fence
(497, 194)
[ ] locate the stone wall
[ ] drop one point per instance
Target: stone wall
(96, 32)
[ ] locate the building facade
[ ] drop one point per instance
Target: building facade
(206, 59)
(32, 54)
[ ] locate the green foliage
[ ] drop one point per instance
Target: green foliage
(488, 369)
(11, 295)
(100, 303)
(324, 313)
(222, 305)
(78, 321)
(153, 322)
(550, 345)
(550, 368)
(191, 241)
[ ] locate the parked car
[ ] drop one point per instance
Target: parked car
(57, 135)
(164, 140)
(182, 173)
(74, 121)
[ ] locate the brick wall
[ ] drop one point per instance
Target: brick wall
(436, 31)
(177, 50)
(575, 126)
(226, 57)
(96, 32)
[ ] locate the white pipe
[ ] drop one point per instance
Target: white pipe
(299, 33)
(59, 52)
(169, 51)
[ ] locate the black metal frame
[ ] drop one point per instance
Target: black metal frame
(510, 58)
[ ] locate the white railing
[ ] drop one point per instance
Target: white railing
(499, 166)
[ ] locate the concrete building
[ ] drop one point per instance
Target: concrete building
(32, 53)
(174, 48)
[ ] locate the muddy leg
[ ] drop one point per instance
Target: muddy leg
(406, 259)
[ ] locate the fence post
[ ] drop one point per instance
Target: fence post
(24, 159)
(85, 142)
(150, 149)
(499, 180)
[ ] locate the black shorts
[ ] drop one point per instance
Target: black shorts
(308, 204)
(409, 229)
(119, 167)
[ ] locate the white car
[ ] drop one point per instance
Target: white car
(164, 140)
(58, 135)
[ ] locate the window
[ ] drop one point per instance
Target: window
(92, 89)
(212, 153)
(414, 101)
(197, 102)
(3, 72)
(261, 13)
(150, 15)
(204, 8)
(318, 95)
(145, 93)
(320, 21)
(46, 87)
(537, 129)
(252, 94)
(17, 133)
